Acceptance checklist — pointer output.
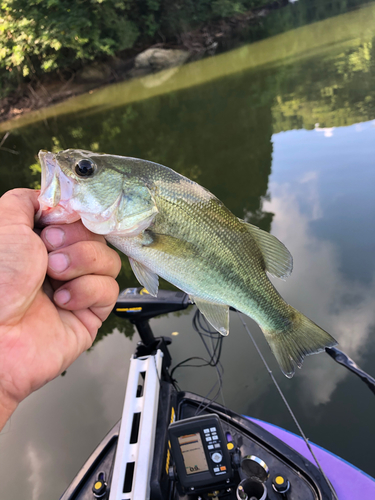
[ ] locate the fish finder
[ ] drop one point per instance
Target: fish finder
(199, 450)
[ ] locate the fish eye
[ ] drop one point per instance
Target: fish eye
(85, 168)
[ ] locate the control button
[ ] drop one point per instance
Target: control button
(217, 445)
(208, 438)
(217, 457)
(210, 446)
(100, 486)
(214, 436)
(230, 446)
(280, 484)
(223, 467)
(216, 469)
(206, 431)
(213, 429)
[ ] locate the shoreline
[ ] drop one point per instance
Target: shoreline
(204, 42)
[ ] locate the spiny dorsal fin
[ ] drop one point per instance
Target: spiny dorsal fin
(216, 314)
(147, 278)
(277, 258)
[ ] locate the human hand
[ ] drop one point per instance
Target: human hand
(46, 322)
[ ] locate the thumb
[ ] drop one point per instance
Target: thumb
(23, 255)
(19, 206)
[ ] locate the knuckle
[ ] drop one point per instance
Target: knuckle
(92, 251)
(88, 253)
(107, 291)
(18, 192)
(98, 286)
(90, 338)
(115, 290)
(116, 262)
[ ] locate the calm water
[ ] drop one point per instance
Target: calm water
(283, 132)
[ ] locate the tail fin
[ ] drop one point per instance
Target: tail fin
(291, 346)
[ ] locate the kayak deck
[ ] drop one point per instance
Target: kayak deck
(348, 481)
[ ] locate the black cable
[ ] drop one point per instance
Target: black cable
(204, 329)
(205, 332)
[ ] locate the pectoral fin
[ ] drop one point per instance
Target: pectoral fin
(216, 314)
(277, 258)
(147, 278)
(169, 245)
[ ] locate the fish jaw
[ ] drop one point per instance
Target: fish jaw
(55, 194)
(107, 223)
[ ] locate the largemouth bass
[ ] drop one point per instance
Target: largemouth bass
(172, 227)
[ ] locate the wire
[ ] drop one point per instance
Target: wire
(205, 332)
(288, 407)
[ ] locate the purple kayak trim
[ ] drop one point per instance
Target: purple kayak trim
(348, 481)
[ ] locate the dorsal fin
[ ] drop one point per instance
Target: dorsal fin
(277, 258)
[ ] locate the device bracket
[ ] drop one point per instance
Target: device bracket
(135, 447)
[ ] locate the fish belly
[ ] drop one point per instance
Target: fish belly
(220, 276)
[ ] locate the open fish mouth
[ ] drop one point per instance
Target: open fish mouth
(55, 193)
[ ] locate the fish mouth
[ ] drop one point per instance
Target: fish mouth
(55, 193)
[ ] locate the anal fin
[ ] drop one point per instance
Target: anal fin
(216, 314)
(145, 276)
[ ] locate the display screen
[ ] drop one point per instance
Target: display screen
(193, 453)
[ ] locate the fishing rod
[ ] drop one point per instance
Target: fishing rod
(344, 360)
(288, 408)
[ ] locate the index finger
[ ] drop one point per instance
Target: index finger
(62, 235)
(19, 206)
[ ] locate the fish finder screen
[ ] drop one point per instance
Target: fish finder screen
(193, 453)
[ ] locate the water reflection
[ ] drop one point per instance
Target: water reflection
(318, 192)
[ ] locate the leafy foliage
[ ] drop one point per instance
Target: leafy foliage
(42, 35)
(38, 36)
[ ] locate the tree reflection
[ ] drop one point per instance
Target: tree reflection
(218, 134)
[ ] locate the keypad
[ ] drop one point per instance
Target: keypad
(213, 443)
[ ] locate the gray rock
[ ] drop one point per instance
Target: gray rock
(158, 59)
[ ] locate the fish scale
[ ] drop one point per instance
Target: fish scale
(246, 260)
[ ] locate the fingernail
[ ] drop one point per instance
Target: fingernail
(58, 262)
(55, 236)
(62, 297)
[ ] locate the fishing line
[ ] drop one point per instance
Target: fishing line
(288, 407)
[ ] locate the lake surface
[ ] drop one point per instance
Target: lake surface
(283, 132)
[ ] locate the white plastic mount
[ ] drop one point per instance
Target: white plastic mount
(135, 447)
